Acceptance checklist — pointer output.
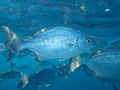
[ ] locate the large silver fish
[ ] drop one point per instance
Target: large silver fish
(56, 43)
(104, 65)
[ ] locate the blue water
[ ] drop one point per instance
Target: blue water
(100, 18)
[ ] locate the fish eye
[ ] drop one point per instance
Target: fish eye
(88, 40)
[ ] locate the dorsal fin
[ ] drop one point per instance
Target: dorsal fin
(39, 32)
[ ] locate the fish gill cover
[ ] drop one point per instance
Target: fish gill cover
(59, 44)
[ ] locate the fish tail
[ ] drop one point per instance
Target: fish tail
(24, 79)
(13, 43)
(23, 82)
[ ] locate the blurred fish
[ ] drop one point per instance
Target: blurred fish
(48, 76)
(104, 65)
(10, 75)
(52, 44)
(44, 77)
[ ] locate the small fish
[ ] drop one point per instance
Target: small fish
(56, 43)
(43, 77)
(10, 75)
(104, 65)
(48, 76)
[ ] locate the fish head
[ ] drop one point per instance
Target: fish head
(86, 43)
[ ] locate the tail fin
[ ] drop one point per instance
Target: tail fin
(23, 82)
(13, 42)
(24, 79)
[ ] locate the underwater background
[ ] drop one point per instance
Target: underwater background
(100, 18)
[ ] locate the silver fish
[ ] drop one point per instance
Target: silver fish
(56, 43)
(104, 65)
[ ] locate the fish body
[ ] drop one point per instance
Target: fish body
(105, 65)
(56, 43)
(60, 42)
